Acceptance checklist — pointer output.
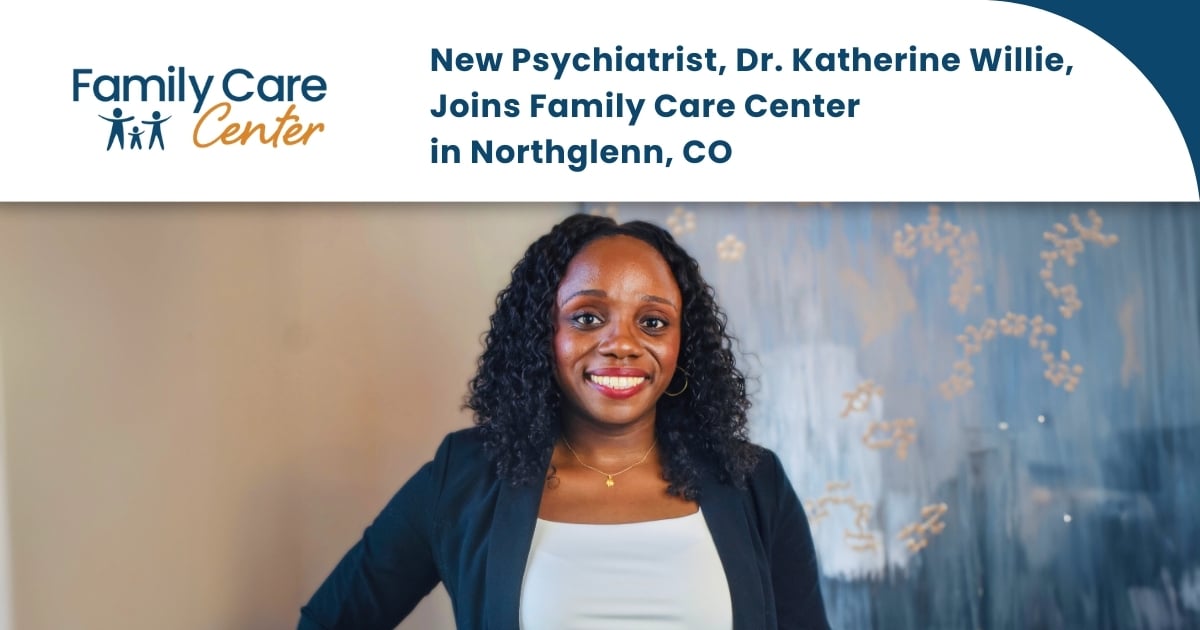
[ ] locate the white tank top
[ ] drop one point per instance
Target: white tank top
(654, 575)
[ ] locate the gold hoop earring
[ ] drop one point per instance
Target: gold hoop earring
(685, 384)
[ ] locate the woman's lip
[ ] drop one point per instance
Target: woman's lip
(620, 394)
(620, 371)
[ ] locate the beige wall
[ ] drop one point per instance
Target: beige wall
(204, 405)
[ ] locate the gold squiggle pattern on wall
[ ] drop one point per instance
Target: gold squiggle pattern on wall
(898, 434)
(681, 222)
(858, 539)
(880, 434)
(941, 236)
(916, 535)
(1059, 370)
(1066, 249)
(730, 249)
(858, 400)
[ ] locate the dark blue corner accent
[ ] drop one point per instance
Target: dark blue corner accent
(1159, 37)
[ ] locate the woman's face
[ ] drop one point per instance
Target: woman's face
(617, 332)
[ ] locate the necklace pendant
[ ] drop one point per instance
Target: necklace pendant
(609, 482)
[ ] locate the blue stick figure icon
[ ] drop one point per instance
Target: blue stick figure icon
(156, 130)
(118, 128)
(135, 138)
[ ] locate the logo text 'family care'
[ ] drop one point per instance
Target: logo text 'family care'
(215, 125)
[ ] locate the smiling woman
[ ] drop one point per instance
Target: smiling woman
(616, 334)
(609, 481)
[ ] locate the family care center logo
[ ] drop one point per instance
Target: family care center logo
(212, 110)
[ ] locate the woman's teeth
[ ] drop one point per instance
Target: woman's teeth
(617, 382)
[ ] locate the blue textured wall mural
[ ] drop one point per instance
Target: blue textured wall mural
(990, 411)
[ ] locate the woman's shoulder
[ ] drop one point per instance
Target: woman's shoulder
(461, 467)
(465, 439)
(768, 473)
(463, 447)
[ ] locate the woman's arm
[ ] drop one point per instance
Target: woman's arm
(798, 603)
(383, 576)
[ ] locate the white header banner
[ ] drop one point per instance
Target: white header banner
(970, 100)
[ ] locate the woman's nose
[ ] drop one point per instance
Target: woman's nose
(621, 341)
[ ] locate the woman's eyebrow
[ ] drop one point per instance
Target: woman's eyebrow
(601, 294)
(660, 300)
(588, 292)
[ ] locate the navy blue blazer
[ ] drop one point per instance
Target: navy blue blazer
(456, 522)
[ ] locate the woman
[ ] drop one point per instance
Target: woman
(609, 482)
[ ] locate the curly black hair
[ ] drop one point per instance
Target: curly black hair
(517, 402)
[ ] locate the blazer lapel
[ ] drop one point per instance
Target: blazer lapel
(732, 533)
(508, 550)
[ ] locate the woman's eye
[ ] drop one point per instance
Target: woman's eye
(655, 323)
(586, 319)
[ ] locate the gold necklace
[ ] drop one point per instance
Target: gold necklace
(609, 481)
